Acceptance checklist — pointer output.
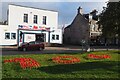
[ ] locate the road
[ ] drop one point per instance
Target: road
(48, 50)
(12, 50)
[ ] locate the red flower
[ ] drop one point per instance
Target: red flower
(24, 62)
(95, 56)
(65, 59)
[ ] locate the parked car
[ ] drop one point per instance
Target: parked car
(33, 45)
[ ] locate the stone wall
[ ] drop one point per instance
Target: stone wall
(77, 31)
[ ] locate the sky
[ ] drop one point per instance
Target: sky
(67, 10)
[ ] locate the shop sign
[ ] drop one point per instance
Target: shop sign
(33, 27)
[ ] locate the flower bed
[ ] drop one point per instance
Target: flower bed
(95, 56)
(24, 62)
(66, 59)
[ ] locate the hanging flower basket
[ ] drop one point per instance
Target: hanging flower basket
(65, 59)
(95, 56)
(24, 62)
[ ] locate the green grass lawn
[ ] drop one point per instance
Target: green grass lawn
(86, 68)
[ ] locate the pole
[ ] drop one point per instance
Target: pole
(82, 46)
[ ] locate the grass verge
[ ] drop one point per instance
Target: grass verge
(86, 68)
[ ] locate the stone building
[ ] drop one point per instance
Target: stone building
(83, 29)
(95, 30)
(78, 30)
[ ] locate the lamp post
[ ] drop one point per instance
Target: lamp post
(87, 38)
(117, 40)
(87, 46)
(83, 42)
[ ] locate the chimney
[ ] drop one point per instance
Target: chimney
(90, 17)
(80, 11)
(94, 12)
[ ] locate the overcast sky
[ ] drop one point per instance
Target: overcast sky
(67, 10)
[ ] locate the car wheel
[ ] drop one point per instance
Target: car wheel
(24, 49)
(40, 49)
(19, 49)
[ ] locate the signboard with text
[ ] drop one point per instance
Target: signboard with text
(33, 27)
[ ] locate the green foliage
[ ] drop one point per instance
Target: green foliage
(110, 20)
(86, 68)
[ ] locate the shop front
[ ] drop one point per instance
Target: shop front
(35, 33)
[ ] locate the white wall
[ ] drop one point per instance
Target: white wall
(56, 32)
(15, 18)
(3, 41)
(16, 14)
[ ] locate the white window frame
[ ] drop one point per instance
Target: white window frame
(25, 18)
(6, 35)
(35, 19)
(57, 37)
(53, 36)
(12, 35)
(44, 20)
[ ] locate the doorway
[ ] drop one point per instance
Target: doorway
(40, 37)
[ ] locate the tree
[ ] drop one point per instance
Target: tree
(110, 20)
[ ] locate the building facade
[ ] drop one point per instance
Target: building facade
(78, 31)
(83, 29)
(27, 24)
(95, 30)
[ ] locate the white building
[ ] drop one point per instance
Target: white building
(27, 24)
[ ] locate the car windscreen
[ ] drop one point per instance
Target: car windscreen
(31, 43)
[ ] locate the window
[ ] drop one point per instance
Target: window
(31, 43)
(13, 35)
(37, 42)
(35, 19)
(91, 33)
(25, 18)
(57, 37)
(93, 27)
(53, 37)
(44, 20)
(7, 35)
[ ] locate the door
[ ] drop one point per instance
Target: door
(40, 37)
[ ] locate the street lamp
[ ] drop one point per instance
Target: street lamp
(83, 42)
(117, 40)
(88, 47)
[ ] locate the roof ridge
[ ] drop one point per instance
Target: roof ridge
(32, 7)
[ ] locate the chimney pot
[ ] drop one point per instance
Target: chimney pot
(80, 11)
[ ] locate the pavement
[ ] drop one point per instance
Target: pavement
(12, 50)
